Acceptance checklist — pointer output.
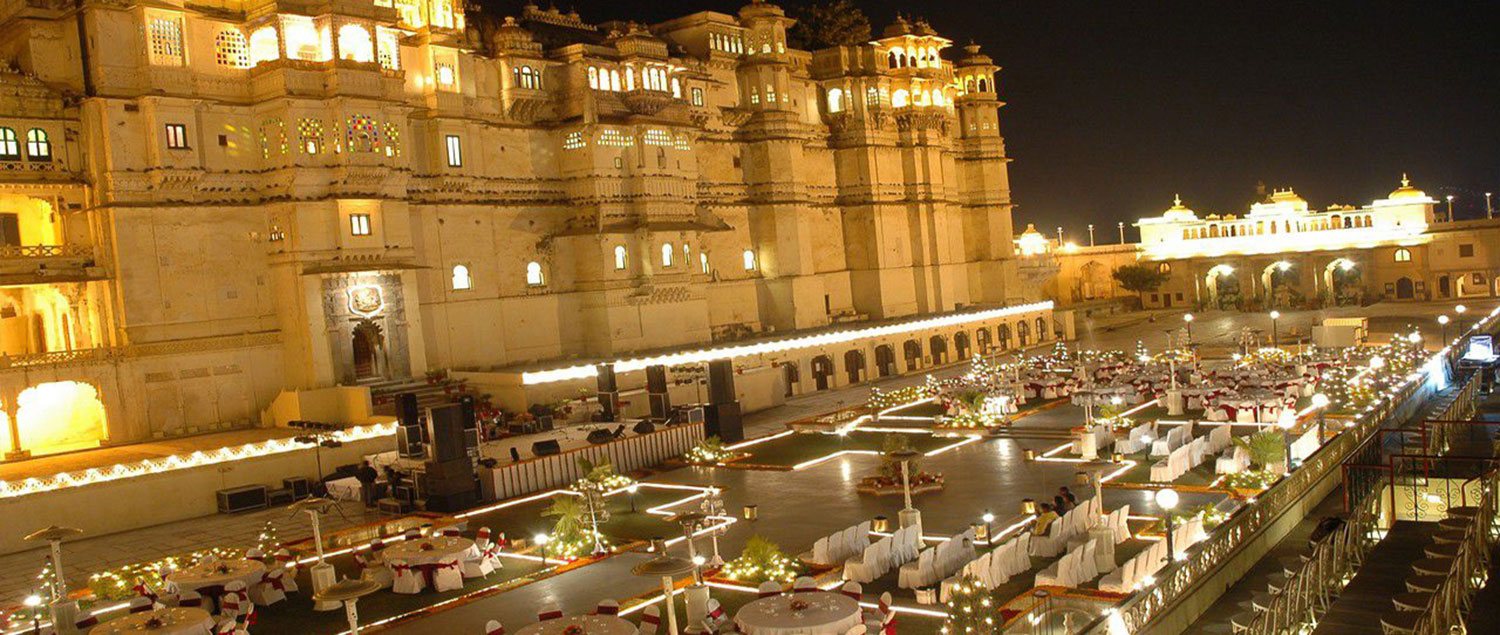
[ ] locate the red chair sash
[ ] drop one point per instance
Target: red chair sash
(651, 619)
(549, 615)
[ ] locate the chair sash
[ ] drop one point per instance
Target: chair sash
(549, 614)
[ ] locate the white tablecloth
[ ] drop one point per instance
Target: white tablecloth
(443, 548)
(592, 625)
(345, 489)
(207, 574)
(826, 614)
(175, 621)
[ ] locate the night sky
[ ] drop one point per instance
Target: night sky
(1113, 106)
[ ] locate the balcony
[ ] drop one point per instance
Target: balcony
(40, 264)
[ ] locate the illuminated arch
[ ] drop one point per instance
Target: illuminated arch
(59, 416)
(355, 44)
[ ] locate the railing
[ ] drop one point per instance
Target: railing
(1453, 594)
(112, 354)
(558, 470)
(46, 251)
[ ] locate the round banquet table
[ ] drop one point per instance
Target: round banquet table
(207, 579)
(826, 614)
(591, 624)
(174, 621)
(414, 552)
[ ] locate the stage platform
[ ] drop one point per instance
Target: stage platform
(106, 457)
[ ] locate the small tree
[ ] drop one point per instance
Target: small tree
(832, 23)
(762, 560)
(1265, 447)
(971, 611)
(1140, 279)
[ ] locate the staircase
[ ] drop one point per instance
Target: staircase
(383, 392)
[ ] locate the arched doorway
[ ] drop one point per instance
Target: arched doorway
(1094, 281)
(1223, 287)
(1002, 332)
(1023, 333)
(912, 351)
(1471, 284)
(885, 360)
(854, 365)
(1341, 280)
(57, 417)
(961, 345)
(822, 369)
(982, 336)
(1445, 286)
(792, 375)
(1042, 332)
(1404, 288)
(1279, 283)
(938, 348)
(368, 343)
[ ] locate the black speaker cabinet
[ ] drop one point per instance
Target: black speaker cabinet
(606, 378)
(644, 426)
(409, 442)
(466, 406)
(452, 502)
(721, 382)
(544, 448)
(446, 432)
(723, 421)
(298, 486)
(241, 499)
(407, 412)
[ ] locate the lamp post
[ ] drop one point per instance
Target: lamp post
(1275, 336)
(1450, 208)
(322, 573)
(1166, 499)
(33, 602)
(632, 489)
(1059, 236)
(1321, 401)
(1443, 320)
(1286, 422)
(665, 567)
(1460, 310)
(1188, 319)
(1121, 225)
(909, 516)
(989, 536)
(348, 592)
(713, 506)
(62, 610)
(541, 541)
(1091, 234)
(690, 522)
(1489, 211)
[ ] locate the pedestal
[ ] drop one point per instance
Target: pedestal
(1174, 402)
(910, 518)
(1088, 446)
(323, 576)
(696, 597)
(64, 616)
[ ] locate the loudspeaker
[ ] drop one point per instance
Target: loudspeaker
(656, 391)
(466, 406)
(298, 486)
(544, 448)
(721, 382)
(609, 392)
(723, 421)
(409, 442)
(452, 502)
(644, 427)
(446, 431)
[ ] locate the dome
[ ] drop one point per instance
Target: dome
(1178, 211)
(1406, 191)
(1031, 229)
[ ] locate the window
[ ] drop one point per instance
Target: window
(835, 100)
(362, 134)
(166, 41)
(666, 254)
(1403, 255)
(534, 274)
(461, 278)
(899, 98)
(310, 135)
(177, 136)
(455, 151)
(38, 146)
(594, 78)
(697, 94)
(387, 48)
(445, 74)
(749, 258)
(619, 257)
(359, 225)
(687, 255)
(1164, 268)
(231, 49)
(872, 96)
(1466, 250)
(10, 145)
(355, 44)
(527, 78)
(703, 261)
(265, 45)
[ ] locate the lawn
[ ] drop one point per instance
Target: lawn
(525, 519)
(795, 449)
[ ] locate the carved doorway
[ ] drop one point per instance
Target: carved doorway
(369, 350)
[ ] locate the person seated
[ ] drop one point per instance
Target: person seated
(1068, 494)
(1044, 520)
(1060, 503)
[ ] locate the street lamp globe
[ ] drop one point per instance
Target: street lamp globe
(1460, 309)
(540, 539)
(1166, 498)
(1320, 400)
(988, 517)
(32, 601)
(1276, 315)
(1443, 320)
(1414, 337)
(1187, 317)
(1377, 362)
(1287, 420)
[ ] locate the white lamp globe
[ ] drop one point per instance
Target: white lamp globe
(1443, 319)
(1320, 400)
(1166, 498)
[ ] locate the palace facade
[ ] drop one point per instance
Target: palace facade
(206, 205)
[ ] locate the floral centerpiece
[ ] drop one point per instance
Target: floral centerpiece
(761, 561)
(710, 451)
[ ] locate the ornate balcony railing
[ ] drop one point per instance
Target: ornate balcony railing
(46, 251)
(110, 354)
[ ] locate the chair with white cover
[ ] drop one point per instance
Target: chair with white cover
(716, 617)
(607, 606)
(1054, 573)
(477, 565)
(1122, 524)
(1050, 543)
(804, 584)
(494, 627)
(230, 627)
(854, 590)
(285, 560)
(769, 588)
(236, 599)
(820, 554)
(374, 571)
(448, 576)
(271, 588)
(406, 578)
(836, 549)
(1233, 461)
(411, 534)
(189, 599)
(650, 620)
(549, 611)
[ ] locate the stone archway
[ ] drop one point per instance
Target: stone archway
(885, 360)
(1002, 333)
(1023, 333)
(57, 416)
(961, 345)
(982, 336)
(792, 375)
(912, 351)
(854, 365)
(1223, 288)
(1278, 283)
(368, 344)
(1405, 290)
(822, 369)
(938, 348)
(1341, 281)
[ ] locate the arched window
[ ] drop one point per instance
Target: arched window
(666, 254)
(534, 274)
(355, 44)
(264, 45)
(614, 80)
(676, 88)
(687, 255)
(1164, 268)
(593, 78)
(703, 261)
(749, 260)
(527, 78)
(835, 100)
(231, 49)
(10, 146)
(937, 97)
(900, 98)
(893, 58)
(984, 85)
(872, 96)
(461, 279)
(1403, 255)
(969, 85)
(620, 257)
(38, 146)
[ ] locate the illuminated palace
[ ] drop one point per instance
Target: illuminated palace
(206, 206)
(1284, 253)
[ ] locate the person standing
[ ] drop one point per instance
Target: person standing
(367, 477)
